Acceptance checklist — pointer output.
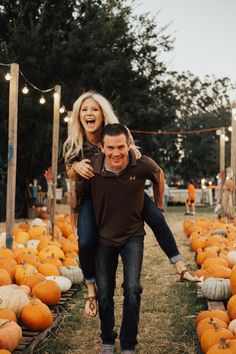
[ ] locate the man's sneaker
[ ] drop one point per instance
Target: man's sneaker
(192, 214)
(187, 213)
(107, 349)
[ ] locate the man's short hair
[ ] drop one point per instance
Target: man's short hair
(115, 129)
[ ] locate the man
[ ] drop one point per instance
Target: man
(118, 193)
(190, 202)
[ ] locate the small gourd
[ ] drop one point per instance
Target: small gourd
(73, 273)
(10, 334)
(216, 289)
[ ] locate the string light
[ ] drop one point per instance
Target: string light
(62, 109)
(42, 100)
(8, 76)
(66, 119)
(25, 90)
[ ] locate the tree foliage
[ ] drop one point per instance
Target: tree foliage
(101, 45)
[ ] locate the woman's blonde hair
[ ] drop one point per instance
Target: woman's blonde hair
(73, 145)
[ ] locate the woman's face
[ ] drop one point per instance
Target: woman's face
(91, 115)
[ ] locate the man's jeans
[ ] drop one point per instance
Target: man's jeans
(106, 264)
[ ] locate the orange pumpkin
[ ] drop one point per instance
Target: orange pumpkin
(48, 269)
(7, 314)
(208, 323)
(48, 292)
(212, 336)
(222, 315)
(223, 347)
(5, 278)
(10, 334)
(36, 316)
(33, 279)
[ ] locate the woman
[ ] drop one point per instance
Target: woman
(90, 112)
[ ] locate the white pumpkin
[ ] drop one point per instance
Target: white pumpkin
(32, 243)
(64, 283)
(232, 257)
(219, 232)
(37, 222)
(12, 297)
(232, 326)
(73, 273)
(216, 289)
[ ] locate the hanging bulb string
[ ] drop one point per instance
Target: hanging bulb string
(35, 87)
(2, 64)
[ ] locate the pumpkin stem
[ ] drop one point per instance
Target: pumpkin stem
(223, 344)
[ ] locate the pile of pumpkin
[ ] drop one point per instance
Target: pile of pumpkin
(33, 275)
(214, 243)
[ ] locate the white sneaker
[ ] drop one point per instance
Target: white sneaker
(107, 349)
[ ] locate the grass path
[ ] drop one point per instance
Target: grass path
(168, 308)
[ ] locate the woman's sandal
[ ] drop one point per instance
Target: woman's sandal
(182, 279)
(92, 306)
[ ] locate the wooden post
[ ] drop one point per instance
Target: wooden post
(55, 142)
(222, 160)
(12, 153)
(233, 146)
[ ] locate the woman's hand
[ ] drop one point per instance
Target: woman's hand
(83, 168)
(136, 151)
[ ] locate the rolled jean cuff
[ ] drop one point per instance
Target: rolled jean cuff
(89, 281)
(175, 259)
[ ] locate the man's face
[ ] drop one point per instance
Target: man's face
(116, 150)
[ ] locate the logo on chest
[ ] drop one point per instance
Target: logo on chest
(132, 178)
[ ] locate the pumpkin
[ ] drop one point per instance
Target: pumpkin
(13, 297)
(48, 269)
(29, 259)
(32, 243)
(207, 323)
(232, 257)
(7, 314)
(10, 334)
(222, 315)
(6, 253)
(219, 232)
(74, 273)
(36, 316)
(50, 251)
(21, 236)
(4, 351)
(216, 289)
(22, 271)
(231, 303)
(63, 282)
(232, 326)
(33, 279)
(70, 262)
(233, 280)
(48, 292)
(5, 278)
(212, 336)
(223, 347)
(37, 222)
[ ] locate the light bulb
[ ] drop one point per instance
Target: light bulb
(25, 90)
(226, 138)
(8, 76)
(42, 100)
(66, 119)
(62, 109)
(230, 129)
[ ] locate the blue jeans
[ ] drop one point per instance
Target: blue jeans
(88, 234)
(88, 237)
(106, 265)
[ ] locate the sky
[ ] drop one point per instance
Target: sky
(204, 31)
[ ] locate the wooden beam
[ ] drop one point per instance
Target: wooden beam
(12, 153)
(55, 142)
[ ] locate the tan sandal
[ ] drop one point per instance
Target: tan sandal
(92, 306)
(182, 279)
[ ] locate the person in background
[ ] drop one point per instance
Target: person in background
(34, 189)
(166, 195)
(91, 111)
(227, 208)
(190, 202)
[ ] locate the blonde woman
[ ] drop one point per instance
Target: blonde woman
(91, 111)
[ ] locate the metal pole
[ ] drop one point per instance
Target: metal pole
(12, 153)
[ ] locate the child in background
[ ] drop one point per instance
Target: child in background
(190, 202)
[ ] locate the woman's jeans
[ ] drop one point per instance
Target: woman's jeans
(106, 265)
(88, 234)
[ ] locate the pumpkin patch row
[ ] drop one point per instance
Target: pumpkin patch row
(33, 275)
(214, 244)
